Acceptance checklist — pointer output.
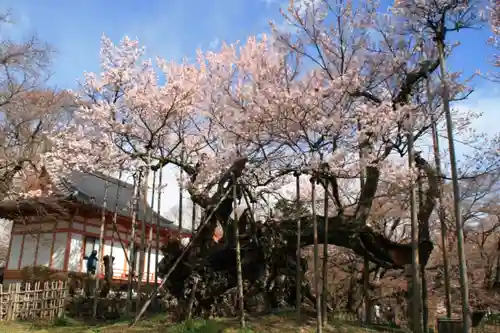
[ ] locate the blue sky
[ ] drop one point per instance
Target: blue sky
(174, 29)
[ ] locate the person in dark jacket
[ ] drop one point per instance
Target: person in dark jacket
(91, 271)
(92, 262)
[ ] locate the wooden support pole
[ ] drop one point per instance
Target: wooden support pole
(193, 217)
(142, 246)
(415, 267)
(298, 257)
(441, 210)
(101, 249)
(181, 197)
(132, 261)
(150, 237)
(366, 262)
(158, 219)
(179, 258)
(462, 267)
(192, 298)
(239, 271)
(319, 326)
(115, 217)
(324, 289)
(423, 233)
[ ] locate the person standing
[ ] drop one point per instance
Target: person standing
(92, 263)
(91, 271)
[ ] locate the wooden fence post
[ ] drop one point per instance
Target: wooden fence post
(15, 311)
(448, 325)
(34, 301)
(62, 294)
(8, 312)
(37, 306)
(2, 303)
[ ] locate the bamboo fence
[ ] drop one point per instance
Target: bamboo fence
(34, 301)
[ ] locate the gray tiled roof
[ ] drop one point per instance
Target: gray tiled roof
(91, 188)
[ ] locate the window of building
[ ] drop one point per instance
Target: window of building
(136, 257)
(91, 244)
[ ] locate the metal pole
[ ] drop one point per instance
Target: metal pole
(464, 286)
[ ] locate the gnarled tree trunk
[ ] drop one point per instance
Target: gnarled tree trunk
(268, 250)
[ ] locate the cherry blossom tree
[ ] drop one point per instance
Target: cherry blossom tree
(28, 108)
(127, 114)
(495, 27)
(256, 112)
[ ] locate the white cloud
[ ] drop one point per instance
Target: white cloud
(484, 100)
(214, 43)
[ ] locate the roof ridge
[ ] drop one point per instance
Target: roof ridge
(108, 178)
(67, 184)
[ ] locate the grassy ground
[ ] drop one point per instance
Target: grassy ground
(265, 324)
(284, 322)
